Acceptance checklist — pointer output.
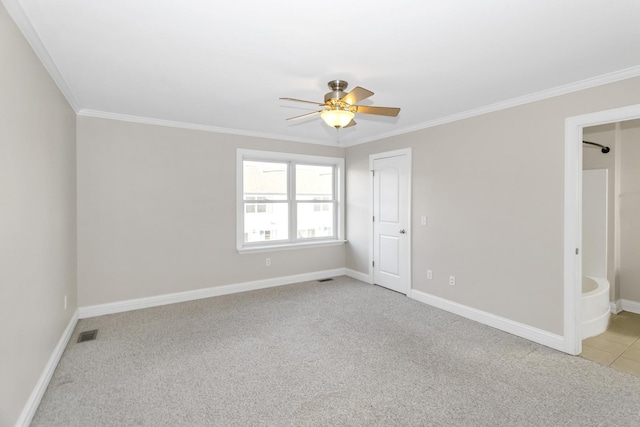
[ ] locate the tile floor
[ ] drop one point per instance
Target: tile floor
(619, 346)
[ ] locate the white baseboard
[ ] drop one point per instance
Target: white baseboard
(630, 306)
(33, 402)
(616, 306)
(363, 277)
(530, 333)
(159, 300)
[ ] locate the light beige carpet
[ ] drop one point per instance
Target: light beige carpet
(333, 353)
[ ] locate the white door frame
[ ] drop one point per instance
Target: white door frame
(372, 158)
(573, 215)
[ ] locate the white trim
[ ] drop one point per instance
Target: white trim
(630, 306)
(604, 79)
(291, 246)
(387, 154)
(160, 300)
(384, 155)
(519, 329)
(363, 277)
(29, 410)
(196, 126)
(616, 306)
(18, 15)
(573, 214)
(337, 163)
(572, 238)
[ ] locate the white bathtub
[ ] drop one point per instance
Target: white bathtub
(595, 306)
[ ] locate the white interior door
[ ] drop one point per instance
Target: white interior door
(391, 234)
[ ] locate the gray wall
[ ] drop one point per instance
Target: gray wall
(37, 219)
(157, 212)
(492, 188)
(630, 211)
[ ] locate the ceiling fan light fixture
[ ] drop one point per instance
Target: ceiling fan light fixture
(337, 118)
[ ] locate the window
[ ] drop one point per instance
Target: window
(287, 200)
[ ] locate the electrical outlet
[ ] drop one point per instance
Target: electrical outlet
(423, 220)
(65, 302)
(452, 280)
(268, 262)
(429, 274)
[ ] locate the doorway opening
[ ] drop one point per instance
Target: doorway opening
(573, 269)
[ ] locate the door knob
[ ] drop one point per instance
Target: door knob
(402, 231)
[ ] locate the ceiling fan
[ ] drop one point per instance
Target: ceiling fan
(339, 107)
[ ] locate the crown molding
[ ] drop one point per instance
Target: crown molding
(604, 79)
(194, 126)
(625, 74)
(16, 12)
(601, 80)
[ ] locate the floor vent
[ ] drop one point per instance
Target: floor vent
(325, 280)
(88, 335)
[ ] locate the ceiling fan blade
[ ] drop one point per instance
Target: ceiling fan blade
(305, 115)
(302, 100)
(356, 95)
(351, 123)
(379, 111)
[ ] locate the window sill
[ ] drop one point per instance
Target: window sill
(290, 246)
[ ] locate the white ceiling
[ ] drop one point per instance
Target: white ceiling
(223, 65)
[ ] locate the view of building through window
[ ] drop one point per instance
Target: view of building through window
(314, 200)
(282, 198)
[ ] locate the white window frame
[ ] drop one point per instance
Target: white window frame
(293, 242)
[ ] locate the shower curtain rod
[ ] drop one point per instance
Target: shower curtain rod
(605, 149)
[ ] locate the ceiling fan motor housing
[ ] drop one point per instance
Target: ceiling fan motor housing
(337, 90)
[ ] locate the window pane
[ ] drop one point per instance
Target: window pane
(264, 180)
(315, 220)
(270, 225)
(314, 182)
